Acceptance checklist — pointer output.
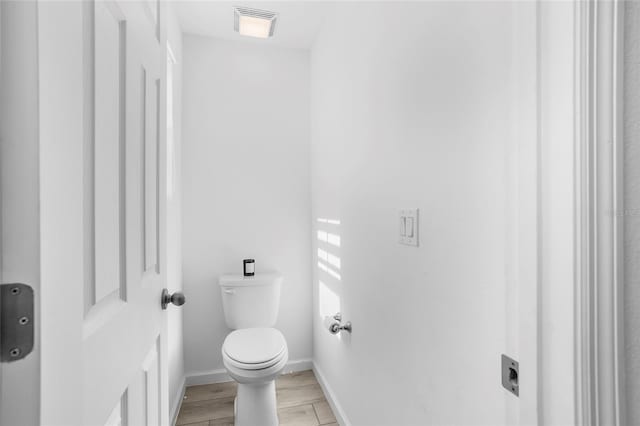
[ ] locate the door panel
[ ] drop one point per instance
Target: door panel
(151, 386)
(104, 43)
(117, 416)
(150, 166)
(117, 161)
(105, 200)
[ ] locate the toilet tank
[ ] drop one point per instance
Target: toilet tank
(251, 301)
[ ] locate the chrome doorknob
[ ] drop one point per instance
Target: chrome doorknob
(176, 298)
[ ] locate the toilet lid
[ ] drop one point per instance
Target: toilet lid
(254, 345)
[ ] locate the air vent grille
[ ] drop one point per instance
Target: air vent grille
(247, 12)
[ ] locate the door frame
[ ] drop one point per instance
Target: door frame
(19, 189)
(599, 343)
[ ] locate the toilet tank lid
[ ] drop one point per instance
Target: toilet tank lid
(262, 278)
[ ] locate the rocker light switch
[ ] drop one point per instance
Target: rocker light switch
(408, 227)
(409, 232)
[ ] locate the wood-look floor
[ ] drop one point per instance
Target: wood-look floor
(300, 403)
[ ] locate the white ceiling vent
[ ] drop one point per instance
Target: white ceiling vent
(254, 22)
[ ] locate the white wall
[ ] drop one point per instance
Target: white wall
(632, 208)
(411, 107)
(174, 223)
(245, 183)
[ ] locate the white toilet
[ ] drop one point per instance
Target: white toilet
(255, 353)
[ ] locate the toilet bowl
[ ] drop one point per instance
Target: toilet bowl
(255, 354)
(254, 358)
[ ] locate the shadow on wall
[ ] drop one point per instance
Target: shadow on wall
(329, 266)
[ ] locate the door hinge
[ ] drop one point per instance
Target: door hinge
(16, 321)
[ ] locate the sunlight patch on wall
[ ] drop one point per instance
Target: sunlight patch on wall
(328, 270)
(327, 237)
(331, 259)
(329, 264)
(329, 221)
(329, 302)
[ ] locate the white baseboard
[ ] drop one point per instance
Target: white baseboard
(298, 365)
(221, 376)
(177, 402)
(338, 411)
(208, 377)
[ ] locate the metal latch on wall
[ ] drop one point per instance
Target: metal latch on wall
(16, 321)
(511, 375)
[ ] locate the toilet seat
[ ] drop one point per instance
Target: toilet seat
(254, 348)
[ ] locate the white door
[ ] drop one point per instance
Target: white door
(101, 171)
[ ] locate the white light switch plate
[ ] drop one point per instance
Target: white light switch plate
(408, 227)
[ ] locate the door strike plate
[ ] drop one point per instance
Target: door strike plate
(16, 321)
(511, 375)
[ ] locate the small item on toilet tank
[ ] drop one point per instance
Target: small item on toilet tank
(249, 267)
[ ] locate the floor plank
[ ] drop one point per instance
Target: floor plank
(301, 402)
(198, 411)
(290, 397)
(302, 415)
(296, 379)
(324, 413)
(213, 391)
(227, 421)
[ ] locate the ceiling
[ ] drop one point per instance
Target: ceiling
(297, 25)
